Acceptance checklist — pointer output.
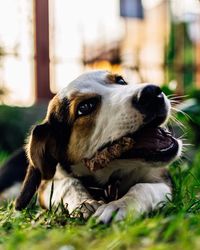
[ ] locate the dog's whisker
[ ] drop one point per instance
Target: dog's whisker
(174, 118)
(176, 121)
(170, 127)
(180, 161)
(171, 95)
(183, 136)
(174, 103)
(178, 97)
(182, 139)
(182, 112)
(188, 144)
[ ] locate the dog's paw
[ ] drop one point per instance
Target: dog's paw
(115, 210)
(88, 207)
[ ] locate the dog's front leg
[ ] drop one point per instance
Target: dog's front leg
(69, 191)
(141, 198)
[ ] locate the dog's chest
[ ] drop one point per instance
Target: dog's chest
(111, 182)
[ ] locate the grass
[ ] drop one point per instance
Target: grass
(175, 226)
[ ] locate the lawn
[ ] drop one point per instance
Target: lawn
(175, 226)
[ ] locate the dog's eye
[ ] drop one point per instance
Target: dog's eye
(88, 106)
(120, 80)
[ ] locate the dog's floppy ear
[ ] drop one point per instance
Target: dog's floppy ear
(41, 153)
(46, 147)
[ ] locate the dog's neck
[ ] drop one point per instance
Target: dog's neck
(130, 171)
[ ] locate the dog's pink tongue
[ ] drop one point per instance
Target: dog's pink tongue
(152, 139)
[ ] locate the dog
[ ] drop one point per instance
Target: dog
(93, 112)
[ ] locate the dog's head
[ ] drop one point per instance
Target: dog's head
(93, 111)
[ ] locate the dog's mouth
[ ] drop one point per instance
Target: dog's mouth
(152, 144)
(149, 144)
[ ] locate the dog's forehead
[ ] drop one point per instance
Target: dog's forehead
(87, 82)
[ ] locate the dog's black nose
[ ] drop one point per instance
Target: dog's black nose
(150, 101)
(150, 95)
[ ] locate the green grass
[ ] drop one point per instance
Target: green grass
(175, 226)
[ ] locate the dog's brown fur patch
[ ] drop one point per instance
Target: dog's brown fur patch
(57, 108)
(82, 128)
(111, 78)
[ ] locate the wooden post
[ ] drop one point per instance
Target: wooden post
(42, 74)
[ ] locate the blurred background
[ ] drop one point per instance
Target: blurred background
(44, 44)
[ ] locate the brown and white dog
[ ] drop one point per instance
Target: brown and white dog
(91, 113)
